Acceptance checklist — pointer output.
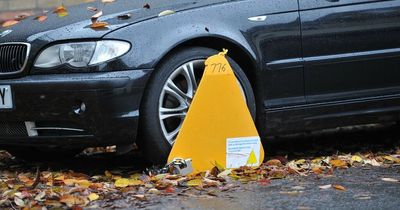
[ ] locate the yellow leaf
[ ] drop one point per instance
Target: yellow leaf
(194, 183)
(84, 183)
(339, 187)
(93, 196)
(166, 12)
(60, 178)
(122, 182)
(135, 176)
(301, 161)
(135, 182)
(356, 158)
(338, 163)
(61, 11)
(392, 159)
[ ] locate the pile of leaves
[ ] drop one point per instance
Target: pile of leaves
(35, 190)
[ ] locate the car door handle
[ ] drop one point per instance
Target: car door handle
(332, 0)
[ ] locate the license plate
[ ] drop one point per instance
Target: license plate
(5, 97)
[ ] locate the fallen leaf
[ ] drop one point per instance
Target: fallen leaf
(392, 159)
(135, 182)
(96, 16)
(122, 182)
(40, 196)
(324, 187)
(194, 183)
(93, 196)
(339, 187)
(338, 163)
(124, 16)
(99, 25)
(356, 158)
(41, 18)
(61, 11)
(71, 200)
(154, 191)
(317, 170)
(93, 9)
(10, 23)
(146, 6)
(166, 12)
(277, 174)
(298, 188)
(140, 197)
(19, 202)
(274, 162)
(390, 180)
(170, 190)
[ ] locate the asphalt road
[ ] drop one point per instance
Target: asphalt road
(364, 190)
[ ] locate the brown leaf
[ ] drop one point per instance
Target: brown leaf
(99, 25)
(41, 18)
(146, 6)
(124, 16)
(61, 11)
(71, 200)
(10, 23)
(274, 162)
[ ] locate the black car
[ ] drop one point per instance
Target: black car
(303, 65)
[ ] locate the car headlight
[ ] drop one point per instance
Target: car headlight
(81, 54)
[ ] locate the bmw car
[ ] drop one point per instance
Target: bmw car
(303, 65)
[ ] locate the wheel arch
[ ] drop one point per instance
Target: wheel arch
(237, 52)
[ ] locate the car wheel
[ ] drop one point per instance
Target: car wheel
(168, 96)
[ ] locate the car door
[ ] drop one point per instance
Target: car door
(351, 48)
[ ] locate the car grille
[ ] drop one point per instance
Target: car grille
(13, 57)
(13, 129)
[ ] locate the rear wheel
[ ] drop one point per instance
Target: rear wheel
(169, 95)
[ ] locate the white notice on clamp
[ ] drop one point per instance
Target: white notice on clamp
(243, 151)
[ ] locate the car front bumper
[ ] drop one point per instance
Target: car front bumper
(73, 110)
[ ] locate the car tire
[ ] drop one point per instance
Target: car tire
(152, 138)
